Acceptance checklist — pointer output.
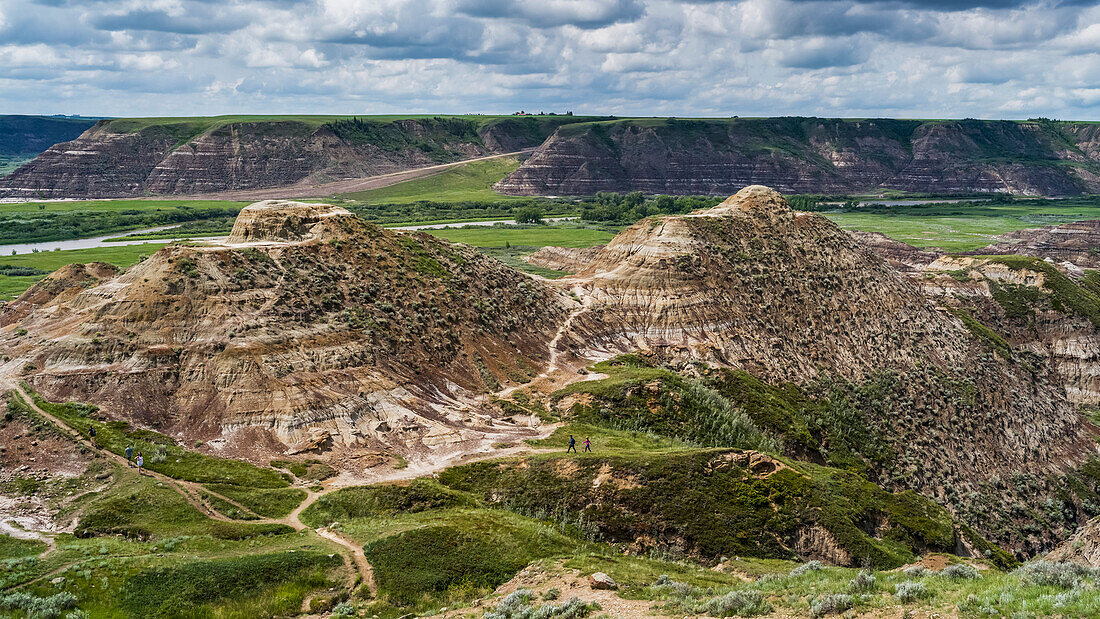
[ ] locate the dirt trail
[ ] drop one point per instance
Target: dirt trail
(189, 490)
(358, 566)
(305, 189)
(555, 353)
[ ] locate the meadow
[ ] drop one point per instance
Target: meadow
(11, 286)
(470, 182)
(963, 226)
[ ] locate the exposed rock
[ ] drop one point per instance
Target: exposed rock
(815, 542)
(323, 329)
(1077, 243)
(284, 221)
(811, 155)
(790, 297)
(568, 259)
(1083, 547)
(599, 580)
(202, 155)
(902, 256)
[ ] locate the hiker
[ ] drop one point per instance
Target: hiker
(587, 445)
(572, 444)
(140, 462)
(91, 433)
(130, 456)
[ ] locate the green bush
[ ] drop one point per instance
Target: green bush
(34, 606)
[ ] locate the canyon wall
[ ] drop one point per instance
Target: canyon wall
(813, 155)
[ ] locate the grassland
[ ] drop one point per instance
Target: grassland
(472, 181)
(964, 227)
(122, 256)
(499, 236)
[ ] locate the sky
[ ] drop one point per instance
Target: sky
(847, 58)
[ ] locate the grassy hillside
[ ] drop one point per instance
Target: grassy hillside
(472, 181)
(30, 135)
(683, 530)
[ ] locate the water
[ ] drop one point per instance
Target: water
(474, 223)
(88, 243)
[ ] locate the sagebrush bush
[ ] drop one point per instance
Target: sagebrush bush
(959, 571)
(343, 609)
(910, 591)
(807, 567)
(47, 608)
(916, 571)
(830, 603)
(863, 582)
(1065, 575)
(516, 606)
(742, 603)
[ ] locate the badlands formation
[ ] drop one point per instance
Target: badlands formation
(310, 329)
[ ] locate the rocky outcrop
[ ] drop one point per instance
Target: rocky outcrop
(1076, 243)
(568, 259)
(1082, 548)
(283, 221)
(310, 324)
(811, 155)
(123, 158)
(790, 297)
(1034, 306)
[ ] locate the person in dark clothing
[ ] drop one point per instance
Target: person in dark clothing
(572, 445)
(130, 456)
(587, 444)
(91, 433)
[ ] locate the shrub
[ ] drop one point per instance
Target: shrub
(830, 603)
(343, 609)
(551, 595)
(807, 567)
(959, 571)
(46, 608)
(910, 591)
(916, 571)
(515, 606)
(735, 604)
(1065, 575)
(863, 582)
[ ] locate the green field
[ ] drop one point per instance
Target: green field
(120, 256)
(963, 228)
(472, 181)
(136, 204)
(497, 236)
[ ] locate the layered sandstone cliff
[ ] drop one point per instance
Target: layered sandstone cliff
(307, 322)
(812, 155)
(789, 296)
(189, 156)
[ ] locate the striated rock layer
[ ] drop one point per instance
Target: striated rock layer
(310, 324)
(812, 155)
(115, 158)
(790, 297)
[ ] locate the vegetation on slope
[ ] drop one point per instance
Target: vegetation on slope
(1059, 291)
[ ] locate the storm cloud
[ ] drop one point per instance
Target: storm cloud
(908, 58)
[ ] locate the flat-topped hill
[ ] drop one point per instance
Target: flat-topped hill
(813, 155)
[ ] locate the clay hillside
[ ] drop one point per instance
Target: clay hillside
(791, 301)
(813, 155)
(139, 156)
(309, 328)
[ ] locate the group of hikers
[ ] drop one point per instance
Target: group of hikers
(573, 444)
(130, 459)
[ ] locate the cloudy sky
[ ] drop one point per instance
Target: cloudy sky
(910, 58)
